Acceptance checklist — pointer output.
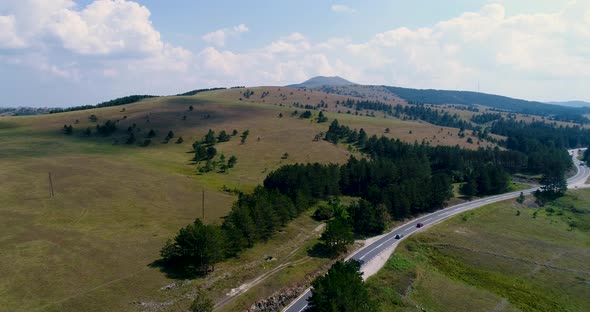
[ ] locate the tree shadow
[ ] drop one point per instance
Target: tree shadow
(175, 271)
(320, 250)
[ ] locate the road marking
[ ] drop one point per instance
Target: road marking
(368, 252)
(305, 306)
(407, 229)
(428, 219)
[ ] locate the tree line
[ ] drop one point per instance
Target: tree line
(396, 181)
(116, 102)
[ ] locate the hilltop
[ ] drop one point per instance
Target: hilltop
(323, 81)
(572, 103)
(469, 98)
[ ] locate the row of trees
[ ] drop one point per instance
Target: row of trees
(486, 117)
(413, 112)
(116, 102)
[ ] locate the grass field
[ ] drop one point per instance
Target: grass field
(502, 257)
(115, 205)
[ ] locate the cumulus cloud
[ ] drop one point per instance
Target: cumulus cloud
(114, 41)
(487, 45)
(218, 37)
(288, 59)
(341, 8)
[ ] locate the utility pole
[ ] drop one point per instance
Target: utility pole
(51, 186)
(203, 205)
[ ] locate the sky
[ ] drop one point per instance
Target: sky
(68, 52)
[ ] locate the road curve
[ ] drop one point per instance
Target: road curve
(369, 252)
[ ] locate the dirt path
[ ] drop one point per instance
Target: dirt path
(235, 292)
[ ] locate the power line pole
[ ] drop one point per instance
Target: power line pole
(51, 186)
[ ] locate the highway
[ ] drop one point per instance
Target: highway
(366, 254)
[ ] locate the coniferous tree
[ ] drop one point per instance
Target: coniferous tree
(209, 138)
(196, 248)
(469, 188)
(200, 153)
(223, 136)
(211, 152)
(362, 139)
(341, 290)
(244, 136)
(130, 139)
(231, 162)
(337, 236)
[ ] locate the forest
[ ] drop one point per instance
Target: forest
(440, 97)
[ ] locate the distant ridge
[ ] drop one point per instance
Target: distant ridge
(572, 103)
(323, 81)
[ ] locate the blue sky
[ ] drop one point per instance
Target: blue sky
(66, 52)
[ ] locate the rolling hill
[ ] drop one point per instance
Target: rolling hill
(443, 97)
(322, 81)
(118, 200)
(116, 204)
(572, 103)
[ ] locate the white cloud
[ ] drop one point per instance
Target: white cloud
(8, 36)
(108, 32)
(218, 37)
(241, 28)
(541, 49)
(215, 37)
(113, 44)
(107, 27)
(341, 8)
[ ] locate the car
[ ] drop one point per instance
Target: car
(419, 225)
(398, 236)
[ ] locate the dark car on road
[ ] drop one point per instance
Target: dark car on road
(419, 225)
(398, 236)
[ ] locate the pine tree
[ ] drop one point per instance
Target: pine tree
(244, 136)
(209, 138)
(337, 236)
(231, 162)
(341, 289)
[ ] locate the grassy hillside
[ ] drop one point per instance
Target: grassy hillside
(283, 99)
(502, 257)
(116, 204)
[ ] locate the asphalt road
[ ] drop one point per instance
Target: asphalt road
(367, 253)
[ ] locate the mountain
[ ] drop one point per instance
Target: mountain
(323, 81)
(572, 103)
(441, 97)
